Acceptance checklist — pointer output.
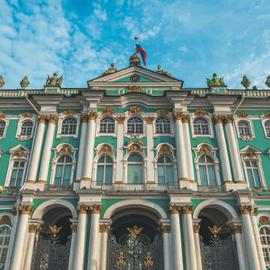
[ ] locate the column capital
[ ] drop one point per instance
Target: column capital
(196, 227)
(52, 119)
(33, 228)
(236, 228)
(218, 119)
(84, 118)
(104, 228)
(185, 118)
(95, 208)
(73, 227)
(175, 209)
(177, 116)
(82, 208)
(228, 119)
(245, 209)
(42, 118)
(92, 115)
(25, 209)
(120, 119)
(186, 209)
(165, 228)
(149, 119)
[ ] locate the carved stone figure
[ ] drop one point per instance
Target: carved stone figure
(246, 82)
(160, 70)
(24, 82)
(215, 81)
(110, 70)
(267, 82)
(2, 82)
(55, 80)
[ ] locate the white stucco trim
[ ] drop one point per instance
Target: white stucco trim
(44, 207)
(135, 202)
(227, 209)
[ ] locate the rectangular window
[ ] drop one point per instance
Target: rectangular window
(135, 174)
(17, 173)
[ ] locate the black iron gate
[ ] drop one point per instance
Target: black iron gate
(219, 254)
(135, 253)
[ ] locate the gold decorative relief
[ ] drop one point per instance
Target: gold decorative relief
(69, 112)
(108, 111)
(52, 119)
(18, 153)
(105, 149)
(27, 114)
(175, 209)
(245, 209)
(218, 119)
(164, 150)
(65, 150)
(2, 115)
(84, 118)
(5, 219)
(55, 230)
(251, 154)
(104, 228)
(148, 262)
(236, 228)
(228, 119)
(120, 119)
(242, 114)
(196, 227)
(205, 149)
(82, 208)
(200, 112)
(264, 220)
(186, 209)
(74, 227)
(185, 118)
(25, 209)
(134, 88)
(177, 116)
(92, 115)
(42, 118)
(95, 208)
(135, 230)
(266, 115)
(161, 112)
(165, 228)
(149, 119)
(134, 110)
(134, 147)
(33, 228)
(121, 261)
(215, 230)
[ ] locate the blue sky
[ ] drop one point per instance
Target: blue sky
(80, 38)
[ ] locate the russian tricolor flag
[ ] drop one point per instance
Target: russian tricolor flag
(140, 50)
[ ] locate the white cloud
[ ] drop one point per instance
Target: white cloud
(100, 13)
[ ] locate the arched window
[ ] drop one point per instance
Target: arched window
(253, 174)
(244, 128)
(4, 241)
(265, 240)
(26, 128)
(63, 171)
(135, 169)
(18, 172)
(104, 171)
(69, 126)
(207, 171)
(165, 170)
(201, 126)
(135, 125)
(163, 125)
(2, 127)
(267, 128)
(107, 125)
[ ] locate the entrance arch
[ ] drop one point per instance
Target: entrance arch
(135, 240)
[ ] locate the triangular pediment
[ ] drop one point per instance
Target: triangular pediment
(135, 76)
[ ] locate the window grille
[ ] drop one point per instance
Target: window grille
(69, 126)
(265, 240)
(135, 125)
(26, 128)
(163, 126)
(201, 126)
(165, 170)
(4, 242)
(17, 173)
(253, 173)
(244, 128)
(107, 125)
(207, 171)
(135, 169)
(104, 171)
(63, 171)
(267, 128)
(2, 127)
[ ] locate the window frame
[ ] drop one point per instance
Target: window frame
(64, 164)
(264, 245)
(249, 122)
(61, 119)
(166, 183)
(106, 133)
(142, 123)
(264, 121)
(170, 126)
(142, 164)
(207, 164)
(210, 126)
(8, 244)
(70, 126)
(104, 165)
(19, 128)
(5, 129)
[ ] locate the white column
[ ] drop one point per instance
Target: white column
(120, 153)
(79, 251)
(189, 238)
(89, 147)
(223, 153)
(180, 149)
(33, 231)
(196, 230)
(33, 168)
(257, 239)
(189, 159)
(237, 231)
(176, 238)
(84, 120)
(150, 152)
(46, 155)
(20, 239)
(94, 245)
(104, 230)
(166, 229)
(72, 245)
(249, 237)
(233, 148)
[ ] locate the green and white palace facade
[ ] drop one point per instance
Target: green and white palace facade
(134, 172)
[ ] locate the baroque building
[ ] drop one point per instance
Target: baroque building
(134, 172)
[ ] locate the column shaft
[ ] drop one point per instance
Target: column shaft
(103, 229)
(78, 262)
(150, 153)
(46, 156)
(196, 229)
(233, 147)
(120, 152)
(166, 229)
(81, 150)
(35, 159)
(224, 157)
(72, 246)
(189, 159)
(20, 240)
(240, 253)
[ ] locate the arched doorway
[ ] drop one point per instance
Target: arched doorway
(218, 250)
(135, 241)
(52, 248)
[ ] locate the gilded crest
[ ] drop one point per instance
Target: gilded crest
(2, 115)
(55, 230)
(65, 150)
(134, 88)
(105, 149)
(267, 115)
(27, 114)
(108, 111)
(264, 220)
(205, 149)
(134, 110)
(135, 230)
(164, 150)
(215, 230)
(200, 112)
(69, 112)
(161, 112)
(242, 114)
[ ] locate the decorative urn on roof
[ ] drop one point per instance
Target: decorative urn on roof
(246, 82)
(134, 60)
(24, 82)
(111, 69)
(55, 80)
(215, 81)
(2, 82)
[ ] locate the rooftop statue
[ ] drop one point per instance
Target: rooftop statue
(245, 81)
(55, 80)
(162, 71)
(267, 82)
(2, 82)
(110, 70)
(215, 81)
(24, 82)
